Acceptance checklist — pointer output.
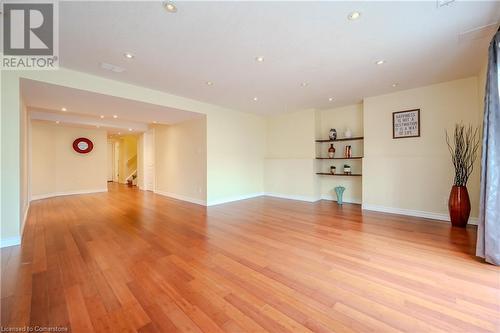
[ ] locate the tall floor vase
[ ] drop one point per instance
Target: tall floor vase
(459, 206)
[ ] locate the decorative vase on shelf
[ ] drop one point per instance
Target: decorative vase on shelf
(347, 169)
(339, 190)
(348, 133)
(331, 151)
(459, 206)
(333, 169)
(332, 134)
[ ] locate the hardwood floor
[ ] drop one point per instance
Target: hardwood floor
(133, 261)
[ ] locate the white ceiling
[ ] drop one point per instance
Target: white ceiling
(309, 42)
(45, 101)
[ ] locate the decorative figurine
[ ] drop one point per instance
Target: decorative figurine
(331, 151)
(332, 134)
(333, 169)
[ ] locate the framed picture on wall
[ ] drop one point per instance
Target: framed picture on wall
(406, 124)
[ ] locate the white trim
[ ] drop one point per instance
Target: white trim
(182, 197)
(417, 213)
(57, 194)
(292, 197)
(25, 218)
(11, 241)
(235, 198)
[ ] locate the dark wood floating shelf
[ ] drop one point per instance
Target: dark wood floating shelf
(338, 174)
(343, 139)
(340, 158)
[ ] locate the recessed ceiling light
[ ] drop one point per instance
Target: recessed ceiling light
(119, 133)
(303, 84)
(210, 83)
(394, 85)
(130, 130)
(354, 16)
(259, 59)
(115, 116)
(380, 62)
(101, 116)
(64, 109)
(255, 98)
(128, 55)
(155, 122)
(57, 121)
(330, 99)
(170, 7)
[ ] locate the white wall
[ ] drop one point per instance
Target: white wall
(415, 175)
(57, 169)
(290, 164)
(180, 160)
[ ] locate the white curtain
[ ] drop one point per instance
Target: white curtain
(488, 232)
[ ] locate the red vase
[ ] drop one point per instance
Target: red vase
(459, 206)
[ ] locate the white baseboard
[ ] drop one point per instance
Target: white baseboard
(57, 194)
(181, 197)
(292, 197)
(11, 241)
(235, 198)
(416, 213)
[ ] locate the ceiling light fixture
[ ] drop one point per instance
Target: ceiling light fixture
(303, 84)
(128, 55)
(57, 121)
(255, 99)
(380, 62)
(169, 7)
(64, 109)
(210, 83)
(155, 122)
(330, 99)
(394, 85)
(115, 116)
(354, 16)
(101, 116)
(130, 130)
(259, 59)
(119, 133)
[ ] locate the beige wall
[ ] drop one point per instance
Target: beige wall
(235, 156)
(341, 118)
(180, 160)
(415, 175)
(289, 163)
(57, 169)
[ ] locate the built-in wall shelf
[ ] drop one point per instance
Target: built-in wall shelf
(339, 174)
(340, 158)
(342, 139)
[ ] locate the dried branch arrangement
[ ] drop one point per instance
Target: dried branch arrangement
(463, 150)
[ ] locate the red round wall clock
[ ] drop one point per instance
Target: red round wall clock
(83, 145)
